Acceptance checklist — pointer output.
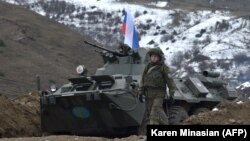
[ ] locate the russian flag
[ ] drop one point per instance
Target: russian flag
(128, 29)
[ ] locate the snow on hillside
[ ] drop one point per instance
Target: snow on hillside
(191, 41)
(244, 86)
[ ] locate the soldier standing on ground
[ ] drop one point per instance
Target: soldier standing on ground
(153, 86)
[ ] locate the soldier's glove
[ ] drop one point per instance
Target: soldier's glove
(141, 98)
(140, 91)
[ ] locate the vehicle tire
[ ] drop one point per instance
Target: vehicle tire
(177, 115)
(200, 110)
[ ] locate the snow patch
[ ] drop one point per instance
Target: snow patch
(239, 102)
(215, 109)
(160, 4)
(244, 85)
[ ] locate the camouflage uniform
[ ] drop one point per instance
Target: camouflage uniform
(154, 80)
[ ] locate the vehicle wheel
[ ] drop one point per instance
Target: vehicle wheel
(177, 115)
(200, 110)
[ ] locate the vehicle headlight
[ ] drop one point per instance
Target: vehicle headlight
(80, 69)
(53, 88)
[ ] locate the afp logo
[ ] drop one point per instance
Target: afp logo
(234, 133)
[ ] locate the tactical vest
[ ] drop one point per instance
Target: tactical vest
(155, 78)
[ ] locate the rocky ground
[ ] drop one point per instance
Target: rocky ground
(20, 116)
(227, 113)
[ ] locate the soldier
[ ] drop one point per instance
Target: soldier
(123, 48)
(153, 86)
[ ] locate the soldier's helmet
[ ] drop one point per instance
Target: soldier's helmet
(121, 45)
(123, 48)
(156, 51)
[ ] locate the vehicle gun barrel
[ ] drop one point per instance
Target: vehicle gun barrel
(103, 48)
(211, 74)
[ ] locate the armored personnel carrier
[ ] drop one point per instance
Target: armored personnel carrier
(102, 104)
(105, 104)
(197, 94)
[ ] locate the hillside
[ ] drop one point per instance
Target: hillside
(194, 35)
(31, 44)
(239, 6)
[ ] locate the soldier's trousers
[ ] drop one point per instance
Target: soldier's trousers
(154, 112)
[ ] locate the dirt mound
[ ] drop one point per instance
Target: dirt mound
(20, 116)
(227, 113)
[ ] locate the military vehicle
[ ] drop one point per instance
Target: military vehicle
(200, 93)
(105, 104)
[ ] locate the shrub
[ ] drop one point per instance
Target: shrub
(187, 55)
(207, 40)
(163, 32)
(137, 14)
(224, 64)
(195, 51)
(156, 33)
(174, 33)
(241, 58)
(177, 60)
(200, 58)
(108, 15)
(166, 37)
(195, 42)
(244, 76)
(148, 20)
(198, 35)
(176, 19)
(222, 26)
(212, 66)
(190, 70)
(151, 42)
(204, 65)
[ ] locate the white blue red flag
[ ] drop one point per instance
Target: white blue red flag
(128, 28)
